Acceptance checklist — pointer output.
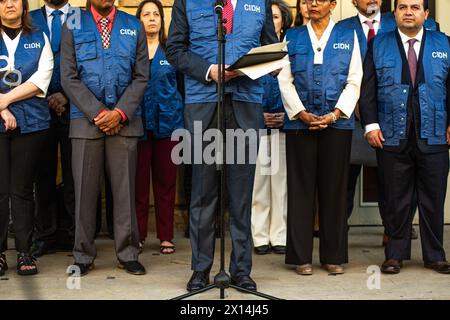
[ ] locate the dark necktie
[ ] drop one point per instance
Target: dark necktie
(56, 30)
(228, 14)
(371, 33)
(412, 60)
(106, 35)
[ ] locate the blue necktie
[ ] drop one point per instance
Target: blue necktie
(56, 30)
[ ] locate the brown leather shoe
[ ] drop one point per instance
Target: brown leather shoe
(304, 270)
(439, 266)
(333, 268)
(391, 266)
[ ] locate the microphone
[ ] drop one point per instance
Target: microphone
(219, 5)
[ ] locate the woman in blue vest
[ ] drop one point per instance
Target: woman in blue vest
(269, 205)
(26, 65)
(162, 114)
(320, 89)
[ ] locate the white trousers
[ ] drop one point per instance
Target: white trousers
(269, 206)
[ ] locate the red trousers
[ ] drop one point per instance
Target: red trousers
(155, 156)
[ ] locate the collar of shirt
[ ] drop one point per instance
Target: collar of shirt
(11, 47)
(64, 10)
(417, 44)
(325, 36)
(406, 38)
(316, 43)
(97, 16)
(234, 4)
(376, 18)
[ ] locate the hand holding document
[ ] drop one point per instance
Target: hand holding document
(261, 61)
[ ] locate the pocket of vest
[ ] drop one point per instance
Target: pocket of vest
(36, 111)
(164, 119)
(85, 46)
(386, 119)
(440, 119)
(303, 95)
(202, 23)
(386, 74)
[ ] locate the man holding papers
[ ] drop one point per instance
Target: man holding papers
(192, 49)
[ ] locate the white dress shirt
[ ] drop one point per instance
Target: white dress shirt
(376, 22)
(49, 11)
(417, 45)
(349, 96)
(41, 78)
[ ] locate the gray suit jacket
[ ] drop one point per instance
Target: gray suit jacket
(86, 101)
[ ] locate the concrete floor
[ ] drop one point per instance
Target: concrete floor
(167, 275)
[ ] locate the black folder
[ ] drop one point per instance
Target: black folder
(252, 59)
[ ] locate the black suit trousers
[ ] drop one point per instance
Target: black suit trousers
(412, 178)
(49, 220)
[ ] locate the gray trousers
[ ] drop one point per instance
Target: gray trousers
(117, 156)
(204, 201)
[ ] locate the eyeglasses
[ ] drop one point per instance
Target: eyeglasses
(319, 2)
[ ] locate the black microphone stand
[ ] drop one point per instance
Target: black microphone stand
(222, 280)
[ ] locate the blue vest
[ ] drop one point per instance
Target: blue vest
(248, 20)
(105, 72)
(31, 114)
(40, 21)
(320, 86)
(272, 97)
(393, 95)
(163, 105)
(355, 24)
(390, 23)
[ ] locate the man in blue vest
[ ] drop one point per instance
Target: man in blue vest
(104, 72)
(405, 110)
(54, 224)
(368, 23)
(192, 49)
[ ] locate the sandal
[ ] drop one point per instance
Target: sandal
(3, 265)
(26, 260)
(163, 248)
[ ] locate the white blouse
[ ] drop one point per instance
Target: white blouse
(43, 75)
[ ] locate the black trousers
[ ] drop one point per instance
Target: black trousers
(53, 223)
(354, 172)
(317, 160)
(19, 160)
(413, 178)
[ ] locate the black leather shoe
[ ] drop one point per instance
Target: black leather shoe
(83, 268)
(244, 282)
(262, 249)
(279, 249)
(439, 266)
(41, 248)
(199, 280)
(391, 266)
(132, 267)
